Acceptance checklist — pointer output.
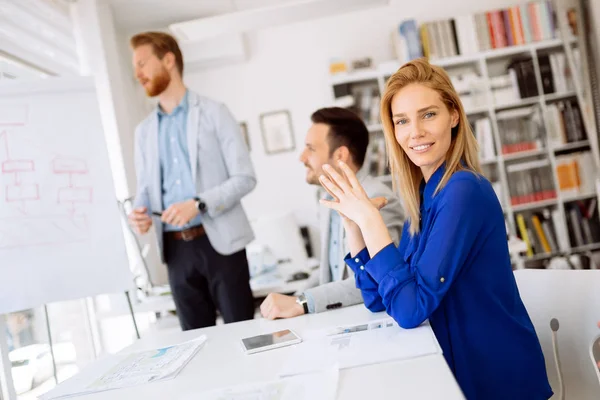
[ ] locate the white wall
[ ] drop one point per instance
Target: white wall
(288, 69)
(99, 54)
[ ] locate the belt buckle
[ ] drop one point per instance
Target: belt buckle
(185, 236)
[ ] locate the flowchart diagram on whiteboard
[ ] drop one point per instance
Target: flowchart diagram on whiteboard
(60, 231)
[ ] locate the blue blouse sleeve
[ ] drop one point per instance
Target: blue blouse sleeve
(364, 281)
(411, 293)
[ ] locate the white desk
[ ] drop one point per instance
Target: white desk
(221, 362)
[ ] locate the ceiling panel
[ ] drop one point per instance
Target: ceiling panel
(153, 14)
(249, 4)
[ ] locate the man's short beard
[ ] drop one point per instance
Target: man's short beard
(159, 84)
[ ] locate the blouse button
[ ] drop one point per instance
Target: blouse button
(362, 267)
(442, 279)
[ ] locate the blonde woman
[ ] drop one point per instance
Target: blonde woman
(452, 265)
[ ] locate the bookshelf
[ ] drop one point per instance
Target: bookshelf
(557, 221)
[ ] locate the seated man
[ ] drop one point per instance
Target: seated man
(336, 134)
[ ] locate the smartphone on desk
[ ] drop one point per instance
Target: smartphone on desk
(270, 341)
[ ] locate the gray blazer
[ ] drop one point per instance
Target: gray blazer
(344, 293)
(221, 169)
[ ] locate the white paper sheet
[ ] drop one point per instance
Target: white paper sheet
(125, 370)
(382, 342)
(322, 386)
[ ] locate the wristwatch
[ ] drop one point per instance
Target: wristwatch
(201, 205)
(302, 300)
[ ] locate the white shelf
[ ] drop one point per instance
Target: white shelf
(489, 161)
(571, 146)
(578, 197)
(355, 76)
(559, 96)
(534, 205)
(527, 165)
(539, 257)
(477, 110)
(518, 103)
(523, 154)
(525, 48)
(457, 60)
(586, 247)
(545, 256)
(499, 53)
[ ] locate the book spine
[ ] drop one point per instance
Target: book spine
(525, 23)
(508, 28)
(491, 30)
(540, 233)
(524, 234)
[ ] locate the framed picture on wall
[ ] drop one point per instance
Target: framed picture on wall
(277, 132)
(244, 130)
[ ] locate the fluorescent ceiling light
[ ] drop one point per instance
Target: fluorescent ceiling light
(258, 18)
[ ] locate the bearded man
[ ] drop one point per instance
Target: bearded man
(193, 168)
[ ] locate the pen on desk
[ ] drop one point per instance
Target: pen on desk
(386, 323)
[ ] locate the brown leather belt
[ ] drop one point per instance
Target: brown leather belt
(188, 234)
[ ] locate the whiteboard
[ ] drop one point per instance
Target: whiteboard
(61, 234)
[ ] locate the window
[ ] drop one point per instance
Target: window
(12, 69)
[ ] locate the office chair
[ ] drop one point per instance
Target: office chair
(564, 306)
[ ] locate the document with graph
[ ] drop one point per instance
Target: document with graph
(126, 370)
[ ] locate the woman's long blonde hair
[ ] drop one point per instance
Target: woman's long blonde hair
(463, 151)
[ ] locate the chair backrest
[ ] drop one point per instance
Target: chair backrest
(281, 234)
(573, 298)
(595, 355)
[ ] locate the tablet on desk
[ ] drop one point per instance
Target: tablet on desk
(269, 341)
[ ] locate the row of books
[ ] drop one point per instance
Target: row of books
(519, 82)
(362, 98)
(522, 74)
(530, 181)
(542, 232)
(485, 139)
(468, 34)
(556, 75)
(520, 129)
(576, 173)
(565, 124)
(517, 25)
(582, 222)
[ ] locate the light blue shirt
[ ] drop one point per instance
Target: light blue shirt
(176, 172)
(334, 247)
(334, 252)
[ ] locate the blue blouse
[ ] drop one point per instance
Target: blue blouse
(456, 272)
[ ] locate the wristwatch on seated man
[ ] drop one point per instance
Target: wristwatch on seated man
(302, 300)
(200, 204)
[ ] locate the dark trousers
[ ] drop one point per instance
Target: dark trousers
(204, 281)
